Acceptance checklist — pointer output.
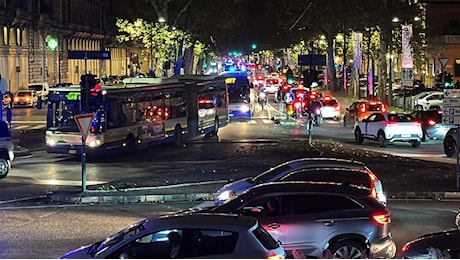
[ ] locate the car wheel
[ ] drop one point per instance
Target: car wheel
(450, 147)
(383, 142)
(415, 143)
(348, 249)
(359, 136)
(419, 108)
(5, 166)
(178, 136)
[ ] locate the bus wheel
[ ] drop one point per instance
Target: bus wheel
(130, 144)
(178, 136)
(216, 126)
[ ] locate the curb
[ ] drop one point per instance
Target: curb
(97, 197)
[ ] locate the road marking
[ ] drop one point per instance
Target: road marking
(28, 122)
(38, 127)
(267, 121)
(21, 127)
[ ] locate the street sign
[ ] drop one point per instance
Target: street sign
(312, 60)
(84, 123)
(452, 93)
(407, 77)
(451, 111)
(88, 55)
(451, 120)
(451, 102)
(443, 62)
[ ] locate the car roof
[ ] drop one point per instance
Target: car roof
(324, 162)
(203, 220)
(333, 174)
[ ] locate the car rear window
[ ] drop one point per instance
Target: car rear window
(400, 118)
(374, 107)
(23, 94)
(330, 103)
(265, 238)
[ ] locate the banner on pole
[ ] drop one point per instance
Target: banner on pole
(357, 49)
(407, 61)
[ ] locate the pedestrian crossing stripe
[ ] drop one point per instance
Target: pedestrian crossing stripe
(253, 122)
(28, 127)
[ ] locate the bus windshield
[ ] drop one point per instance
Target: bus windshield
(238, 89)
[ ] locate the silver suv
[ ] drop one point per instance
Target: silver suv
(314, 217)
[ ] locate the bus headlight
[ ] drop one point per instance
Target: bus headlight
(94, 143)
(244, 108)
(50, 141)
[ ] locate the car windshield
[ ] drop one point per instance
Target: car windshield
(132, 230)
(272, 172)
(36, 87)
(330, 103)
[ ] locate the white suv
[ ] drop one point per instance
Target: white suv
(430, 101)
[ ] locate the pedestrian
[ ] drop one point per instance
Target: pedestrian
(3, 89)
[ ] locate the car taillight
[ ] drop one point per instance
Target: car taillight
(431, 122)
(338, 107)
(274, 256)
(390, 124)
(373, 191)
(382, 219)
(384, 108)
(362, 108)
(297, 105)
(312, 97)
(16, 99)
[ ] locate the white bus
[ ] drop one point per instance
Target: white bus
(136, 116)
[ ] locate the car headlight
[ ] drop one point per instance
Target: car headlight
(226, 195)
(94, 143)
(244, 108)
(51, 141)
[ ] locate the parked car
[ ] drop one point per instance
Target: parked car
(331, 109)
(432, 125)
(450, 142)
(6, 150)
(431, 101)
(317, 217)
(187, 236)
(389, 128)
(272, 84)
(41, 89)
(280, 171)
(25, 98)
(439, 245)
(362, 109)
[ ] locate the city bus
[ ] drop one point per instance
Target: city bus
(240, 95)
(136, 116)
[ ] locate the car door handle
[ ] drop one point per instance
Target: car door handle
(329, 223)
(274, 225)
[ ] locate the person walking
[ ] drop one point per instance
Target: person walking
(3, 89)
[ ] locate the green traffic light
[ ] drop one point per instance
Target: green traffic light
(254, 46)
(52, 43)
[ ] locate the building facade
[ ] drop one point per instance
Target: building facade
(77, 25)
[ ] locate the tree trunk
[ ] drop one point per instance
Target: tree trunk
(331, 75)
(382, 65)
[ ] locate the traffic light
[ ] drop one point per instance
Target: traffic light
(52, 43)
(87, 83)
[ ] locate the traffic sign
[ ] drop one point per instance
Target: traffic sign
(407, 77)
(443, 62)
(451, 111)
(451, 102)
(451, 120)
(84, 123)
(452, 93)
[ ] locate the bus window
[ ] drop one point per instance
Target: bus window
(178, 106)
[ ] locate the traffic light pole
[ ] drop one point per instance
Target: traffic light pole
(83, 141)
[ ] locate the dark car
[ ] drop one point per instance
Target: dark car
(317, 217)
(439, 245)
(432, 125)
(450, 142)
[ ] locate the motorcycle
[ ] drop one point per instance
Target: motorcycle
(262, 98)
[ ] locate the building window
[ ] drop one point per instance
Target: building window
(5, 35)
(18, 37)
(457, 67)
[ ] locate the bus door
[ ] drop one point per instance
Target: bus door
(175, 110)
(152, 112)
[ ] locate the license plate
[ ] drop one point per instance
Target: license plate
(405, 135)
(21, 103)
(230, 114)
(72, 151)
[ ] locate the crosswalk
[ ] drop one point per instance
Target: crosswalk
(27, 125)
